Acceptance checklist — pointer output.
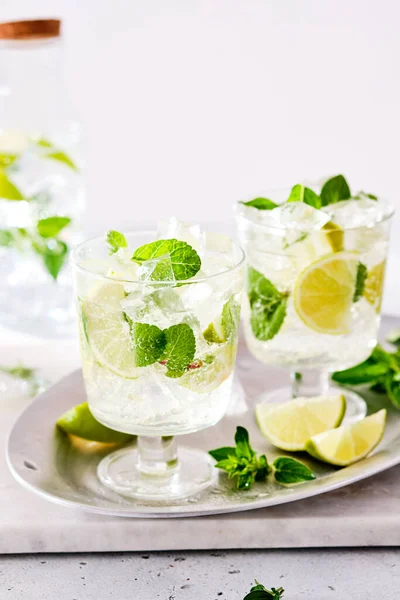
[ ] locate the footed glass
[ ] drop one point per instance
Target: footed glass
(314, 289)
(125, 315)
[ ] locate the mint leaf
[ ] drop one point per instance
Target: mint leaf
(243, 448)
(149, 343)
(51, 227)
(259, 592)
(261, 204)
(267, 306)
(334, 190)
(360, 281)
(300, 193)
(184, 259)
(230, 319)
(289, 470)
(54, 254)
(392, 385)
(8, 190)
(223, 453)
(241, 462)
(63, 158)
(115, 241)
(367, 372)
(7, 159)
(180, 348)
(6, 237)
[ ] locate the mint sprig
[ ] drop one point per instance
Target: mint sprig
(184, 259)
(381, 371)
(242, 463)
(261, 203)
(301, 193)
(115, 241)
(259, 592)
(334, 190)
(360, 281)
(180, 348)
(267, 306)
(54, 254)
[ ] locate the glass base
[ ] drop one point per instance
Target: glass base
(356, 408)
(193, 474)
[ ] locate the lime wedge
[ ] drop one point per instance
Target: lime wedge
(214, 370)
(289, 426)
(79, 421)
(348, 443)
(107, 331)
(324, 291)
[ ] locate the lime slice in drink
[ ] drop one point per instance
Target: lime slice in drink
(289, 426)
(107, 331)
(349, 443)
(215, 333)
(79, 421)
(373, 287)
(215, 368)
(324, 292)
(316, 244)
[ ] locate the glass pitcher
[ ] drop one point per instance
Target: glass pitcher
(41, 181)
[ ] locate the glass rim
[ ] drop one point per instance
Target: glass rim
(85, 270)
(388, 214)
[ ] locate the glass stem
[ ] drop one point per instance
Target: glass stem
(310, 383)
(157, 455)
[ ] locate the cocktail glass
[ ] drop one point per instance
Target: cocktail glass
(112, 298)
(314, 290)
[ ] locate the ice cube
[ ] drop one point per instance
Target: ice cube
(184, 232)
(300, 216)
(350, 214)
(162, 307)
(204, 300)
(157, 269)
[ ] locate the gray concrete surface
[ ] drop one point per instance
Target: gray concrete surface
(367, 574)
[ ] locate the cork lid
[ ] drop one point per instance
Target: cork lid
(30, 29)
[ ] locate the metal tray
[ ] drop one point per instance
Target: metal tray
(46, 462)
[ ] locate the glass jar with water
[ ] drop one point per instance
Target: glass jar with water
(41, 182)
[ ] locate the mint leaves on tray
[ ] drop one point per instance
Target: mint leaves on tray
(242, 464)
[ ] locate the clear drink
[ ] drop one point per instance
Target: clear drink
(314, 285)
(41, 182)
(158, 353)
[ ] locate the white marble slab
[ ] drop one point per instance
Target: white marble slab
(364, 514)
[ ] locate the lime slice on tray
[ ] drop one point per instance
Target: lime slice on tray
(107, 331)
(79, 421)
(289, 426)
(349, 443)
(324, 291)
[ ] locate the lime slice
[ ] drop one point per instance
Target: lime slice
(107, 331)
(324, 291)
(316, 244)
(348, 443)
(289, 426)
(79, 421)
(215, 369)
(215, 333)
(373, 286)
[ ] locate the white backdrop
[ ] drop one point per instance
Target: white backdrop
(191, 104)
